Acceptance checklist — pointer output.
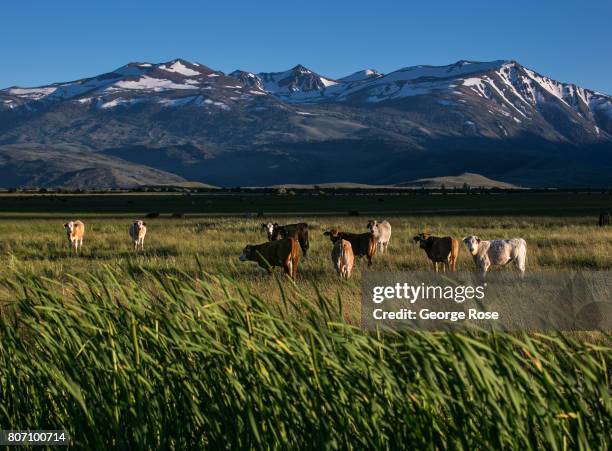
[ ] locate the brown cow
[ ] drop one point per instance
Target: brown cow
(343, 258)
(439, 250)
(363, 244)
(284, 253)
(297, 231)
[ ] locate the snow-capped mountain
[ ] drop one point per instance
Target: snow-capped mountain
(188, 120)
(174, 83)
(508, 88)
(296, 84)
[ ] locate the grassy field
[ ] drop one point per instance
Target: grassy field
(184, 346)
(192, 245)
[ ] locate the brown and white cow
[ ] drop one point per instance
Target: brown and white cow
(443, 250)
(283, 253)
(75, 230)
(138, 231)
(343, 258)
(298, 232)
(363, 244)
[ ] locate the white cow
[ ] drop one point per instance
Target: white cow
(75, 230)
(382, 233)
(138, 230)
(497, 252)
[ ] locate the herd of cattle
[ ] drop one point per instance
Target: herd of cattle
(282, 248)
(285, 241)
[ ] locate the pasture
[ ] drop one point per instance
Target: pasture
(213, 244)
(184, 346)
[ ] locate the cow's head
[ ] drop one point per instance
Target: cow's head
(472, 242)
(268, 227)
(373, 227)
(421, 239)
(139, 224)
(69, 226)
(246, 253)
(333, 235)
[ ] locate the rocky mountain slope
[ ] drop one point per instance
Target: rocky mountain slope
(182, 120)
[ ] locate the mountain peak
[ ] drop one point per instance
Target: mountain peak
(361, 75)
(301, 69)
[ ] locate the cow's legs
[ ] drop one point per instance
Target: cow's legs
(295, 266)
(288, 267)
(520, 264)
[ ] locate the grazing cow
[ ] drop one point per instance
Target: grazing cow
(382, 232)
(343, 258)
(497, 252)
(443, 250)
(75, 230)
(604, 219)
(363, 244)
(283, 252)
(138, 230)
(298, 232)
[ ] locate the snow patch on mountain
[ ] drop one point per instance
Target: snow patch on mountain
(179, 68)
(149, 83)
(366, 74)
(32, 93)
(458, 69)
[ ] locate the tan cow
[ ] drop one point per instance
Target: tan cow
(343, 258)
(75, 230)
(138, 231)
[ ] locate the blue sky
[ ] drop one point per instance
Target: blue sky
(47, 41)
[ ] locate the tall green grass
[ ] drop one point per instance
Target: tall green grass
(151, 361)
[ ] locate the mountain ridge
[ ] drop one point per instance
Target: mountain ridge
(197, 123)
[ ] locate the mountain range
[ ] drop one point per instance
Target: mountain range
(144, 124)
